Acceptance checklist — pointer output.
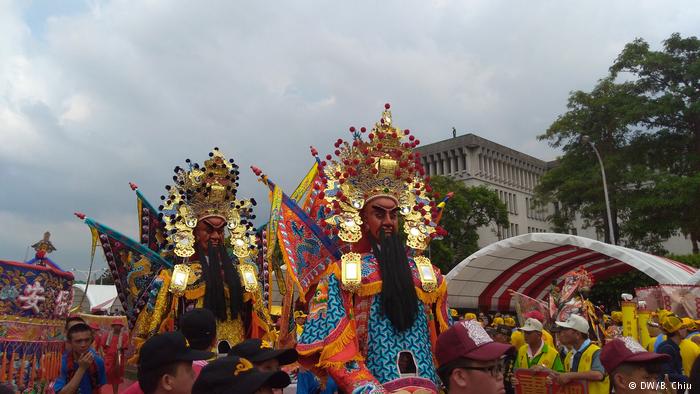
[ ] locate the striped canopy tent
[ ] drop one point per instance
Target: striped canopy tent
(529, 263)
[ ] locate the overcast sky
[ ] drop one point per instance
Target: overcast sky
(95, 94)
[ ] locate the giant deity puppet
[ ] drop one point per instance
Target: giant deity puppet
(183, 260)
(376, 302)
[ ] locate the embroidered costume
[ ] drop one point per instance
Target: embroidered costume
(172, 270)
(347, 334)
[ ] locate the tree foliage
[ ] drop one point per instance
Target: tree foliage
(467, 210)
(647, 130)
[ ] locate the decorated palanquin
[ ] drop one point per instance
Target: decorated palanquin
(171, 270)
(35, 298)
(347, 335)
(571, 298)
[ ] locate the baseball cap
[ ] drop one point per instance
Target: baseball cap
(469, 316)
(233, 374)
(497, 321)
(509, 321)
(627, 350)
(168, 348)
(468, 339)
(298, 314)
(253, 350)
(688, 323)
(671, 323)
(531, 325)
(575, 322)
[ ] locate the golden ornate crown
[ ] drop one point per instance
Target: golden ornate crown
(384, 165)
(206, 191)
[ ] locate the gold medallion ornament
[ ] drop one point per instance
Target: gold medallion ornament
(180, 278)
(199, 192)
(383, 165)
(427, 275)
(249, 278)
(351, 274)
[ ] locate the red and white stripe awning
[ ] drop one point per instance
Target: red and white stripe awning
(529, 263)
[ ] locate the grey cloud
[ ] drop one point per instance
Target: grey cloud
(124, 91)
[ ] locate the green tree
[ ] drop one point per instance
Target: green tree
(668, 82)
(574, 184)
(467, 210)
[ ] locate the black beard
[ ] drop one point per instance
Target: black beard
(214, 297)
(399, 299)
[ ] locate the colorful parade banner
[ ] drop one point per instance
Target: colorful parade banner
(34, 303)
(525, 304)
(133, 267)
(536, 382)
(683, 300)
(151, 232)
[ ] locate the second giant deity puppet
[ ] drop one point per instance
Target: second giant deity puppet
(379, 304)
(185, 259)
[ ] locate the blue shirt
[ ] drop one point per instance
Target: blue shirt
(596, 365)
(85, 386)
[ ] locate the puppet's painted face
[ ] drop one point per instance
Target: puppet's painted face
(380, 214)
(210, 229)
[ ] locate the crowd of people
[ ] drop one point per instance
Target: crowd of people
(477, 354)
(569, 352)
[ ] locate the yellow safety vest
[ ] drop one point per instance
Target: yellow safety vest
(549, 354)
(584, 365)
(689, 352)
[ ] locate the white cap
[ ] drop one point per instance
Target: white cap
(531, 325)
(575, 322)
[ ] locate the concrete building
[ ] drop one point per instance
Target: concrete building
(513, 175)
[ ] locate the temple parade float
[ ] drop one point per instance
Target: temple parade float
(35, 298)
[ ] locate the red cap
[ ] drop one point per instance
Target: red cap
(535, 314)
(94, 326)
(627, 350)
(468, 339)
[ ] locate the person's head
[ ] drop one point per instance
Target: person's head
(616, 317)
(501, 334)
(233, 374)
(210, 230)
(398, 296)
(165, 364)
(73, 320)
(264, 358)
(497, 321)
(469, 360)
(300, 317)
(210, 248)
(469, 316)
(532, 332)
(673, 327)
(627, 362)
(573, 331)
(654, 328)
(380, 217)
(199, 327)
(80, 337)
(509, 321)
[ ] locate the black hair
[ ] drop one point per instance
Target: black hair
(80, 327)
(71, 319)
(398, 296)
(214, 296)
(652, 368)
(148, 380)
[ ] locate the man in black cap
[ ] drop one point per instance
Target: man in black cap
(199, 328)
(233, 374)
(264, 358)
(165, 365)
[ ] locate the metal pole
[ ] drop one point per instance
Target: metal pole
(605, 191)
